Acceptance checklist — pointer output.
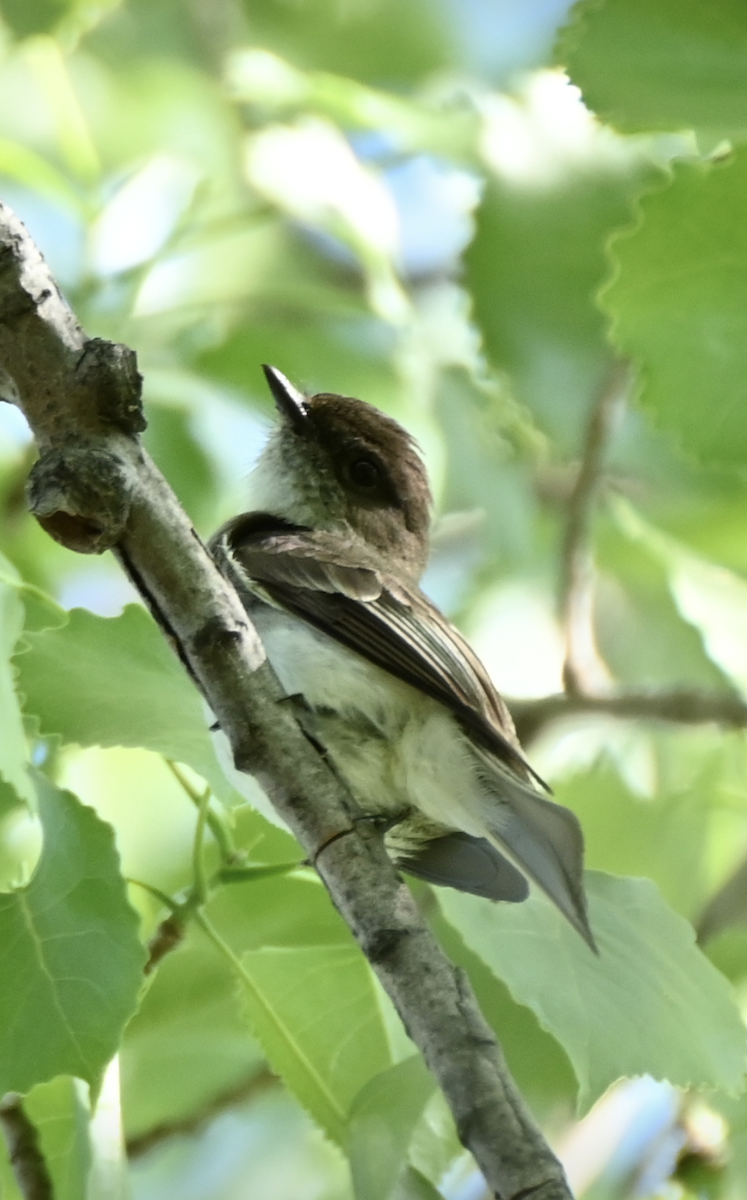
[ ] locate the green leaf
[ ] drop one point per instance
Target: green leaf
(317, 1012)
(20, 838)
(188, 1042)
(661, 64)
(535, 263)
(40, 17)
(651, 1003)
(70, 958)
(13, 749)
(710, 597)
(411, 1185)
(60, 1112)
(112, 681)
(677, 302)
(382, 1119)
(381, 39)
(665, 838)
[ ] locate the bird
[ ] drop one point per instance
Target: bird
(328, 566)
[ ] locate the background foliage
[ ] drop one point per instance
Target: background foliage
(409, 203)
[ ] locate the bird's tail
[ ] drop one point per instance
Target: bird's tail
(542, 838)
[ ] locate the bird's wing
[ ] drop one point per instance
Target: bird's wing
(341, 590)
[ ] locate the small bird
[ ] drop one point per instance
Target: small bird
(328, 566)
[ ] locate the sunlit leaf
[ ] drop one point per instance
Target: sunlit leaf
(661, 64)
(533, 268)
(677, 302)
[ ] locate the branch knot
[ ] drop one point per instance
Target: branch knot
(80, 496)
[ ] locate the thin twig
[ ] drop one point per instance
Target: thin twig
(678, 706)
(583, 670)
(28, 1162)
(215, 820)
(240, 1093)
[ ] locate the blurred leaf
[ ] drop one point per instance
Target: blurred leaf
(71, 960)
(348, 355)
(382, 1120)
(39, 16)
(317, 1014)
(661, 64)
(171, 441)
(112, 681)
(380, 41)
(642, 633)
(13, 749)
(411, 1185)
(20, 838)
(711, 598)
(650, 1003)
(726, 907)
(259, 78)
(25, 166)
(283, 911)
(665, 837)
(533, 268)
(265, 262)
(60, 1114)
(677, 302)
(188, 1043)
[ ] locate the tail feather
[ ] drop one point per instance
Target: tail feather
(467, 863)
(542, 838)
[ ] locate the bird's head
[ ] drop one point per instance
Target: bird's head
(337, 463)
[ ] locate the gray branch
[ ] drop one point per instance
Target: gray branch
(676, 706)
(94, 488)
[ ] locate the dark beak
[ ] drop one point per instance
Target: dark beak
(291, 404)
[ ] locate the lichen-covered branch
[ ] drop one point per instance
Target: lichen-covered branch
(95, 488)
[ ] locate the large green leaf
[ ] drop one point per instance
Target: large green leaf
(677, 302)
(70, 958)
(318, 1015)
(651, 1003)
(112, 681)
(661, 64)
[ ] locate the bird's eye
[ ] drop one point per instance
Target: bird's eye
(365, 473)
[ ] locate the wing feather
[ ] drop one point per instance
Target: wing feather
(344, 592)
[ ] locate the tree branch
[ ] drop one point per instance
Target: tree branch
(680, 706)
(94, 488)
(28, 1163)
(241, 1093)
(583, 670)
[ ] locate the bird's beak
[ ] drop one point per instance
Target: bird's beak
(291, 404)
